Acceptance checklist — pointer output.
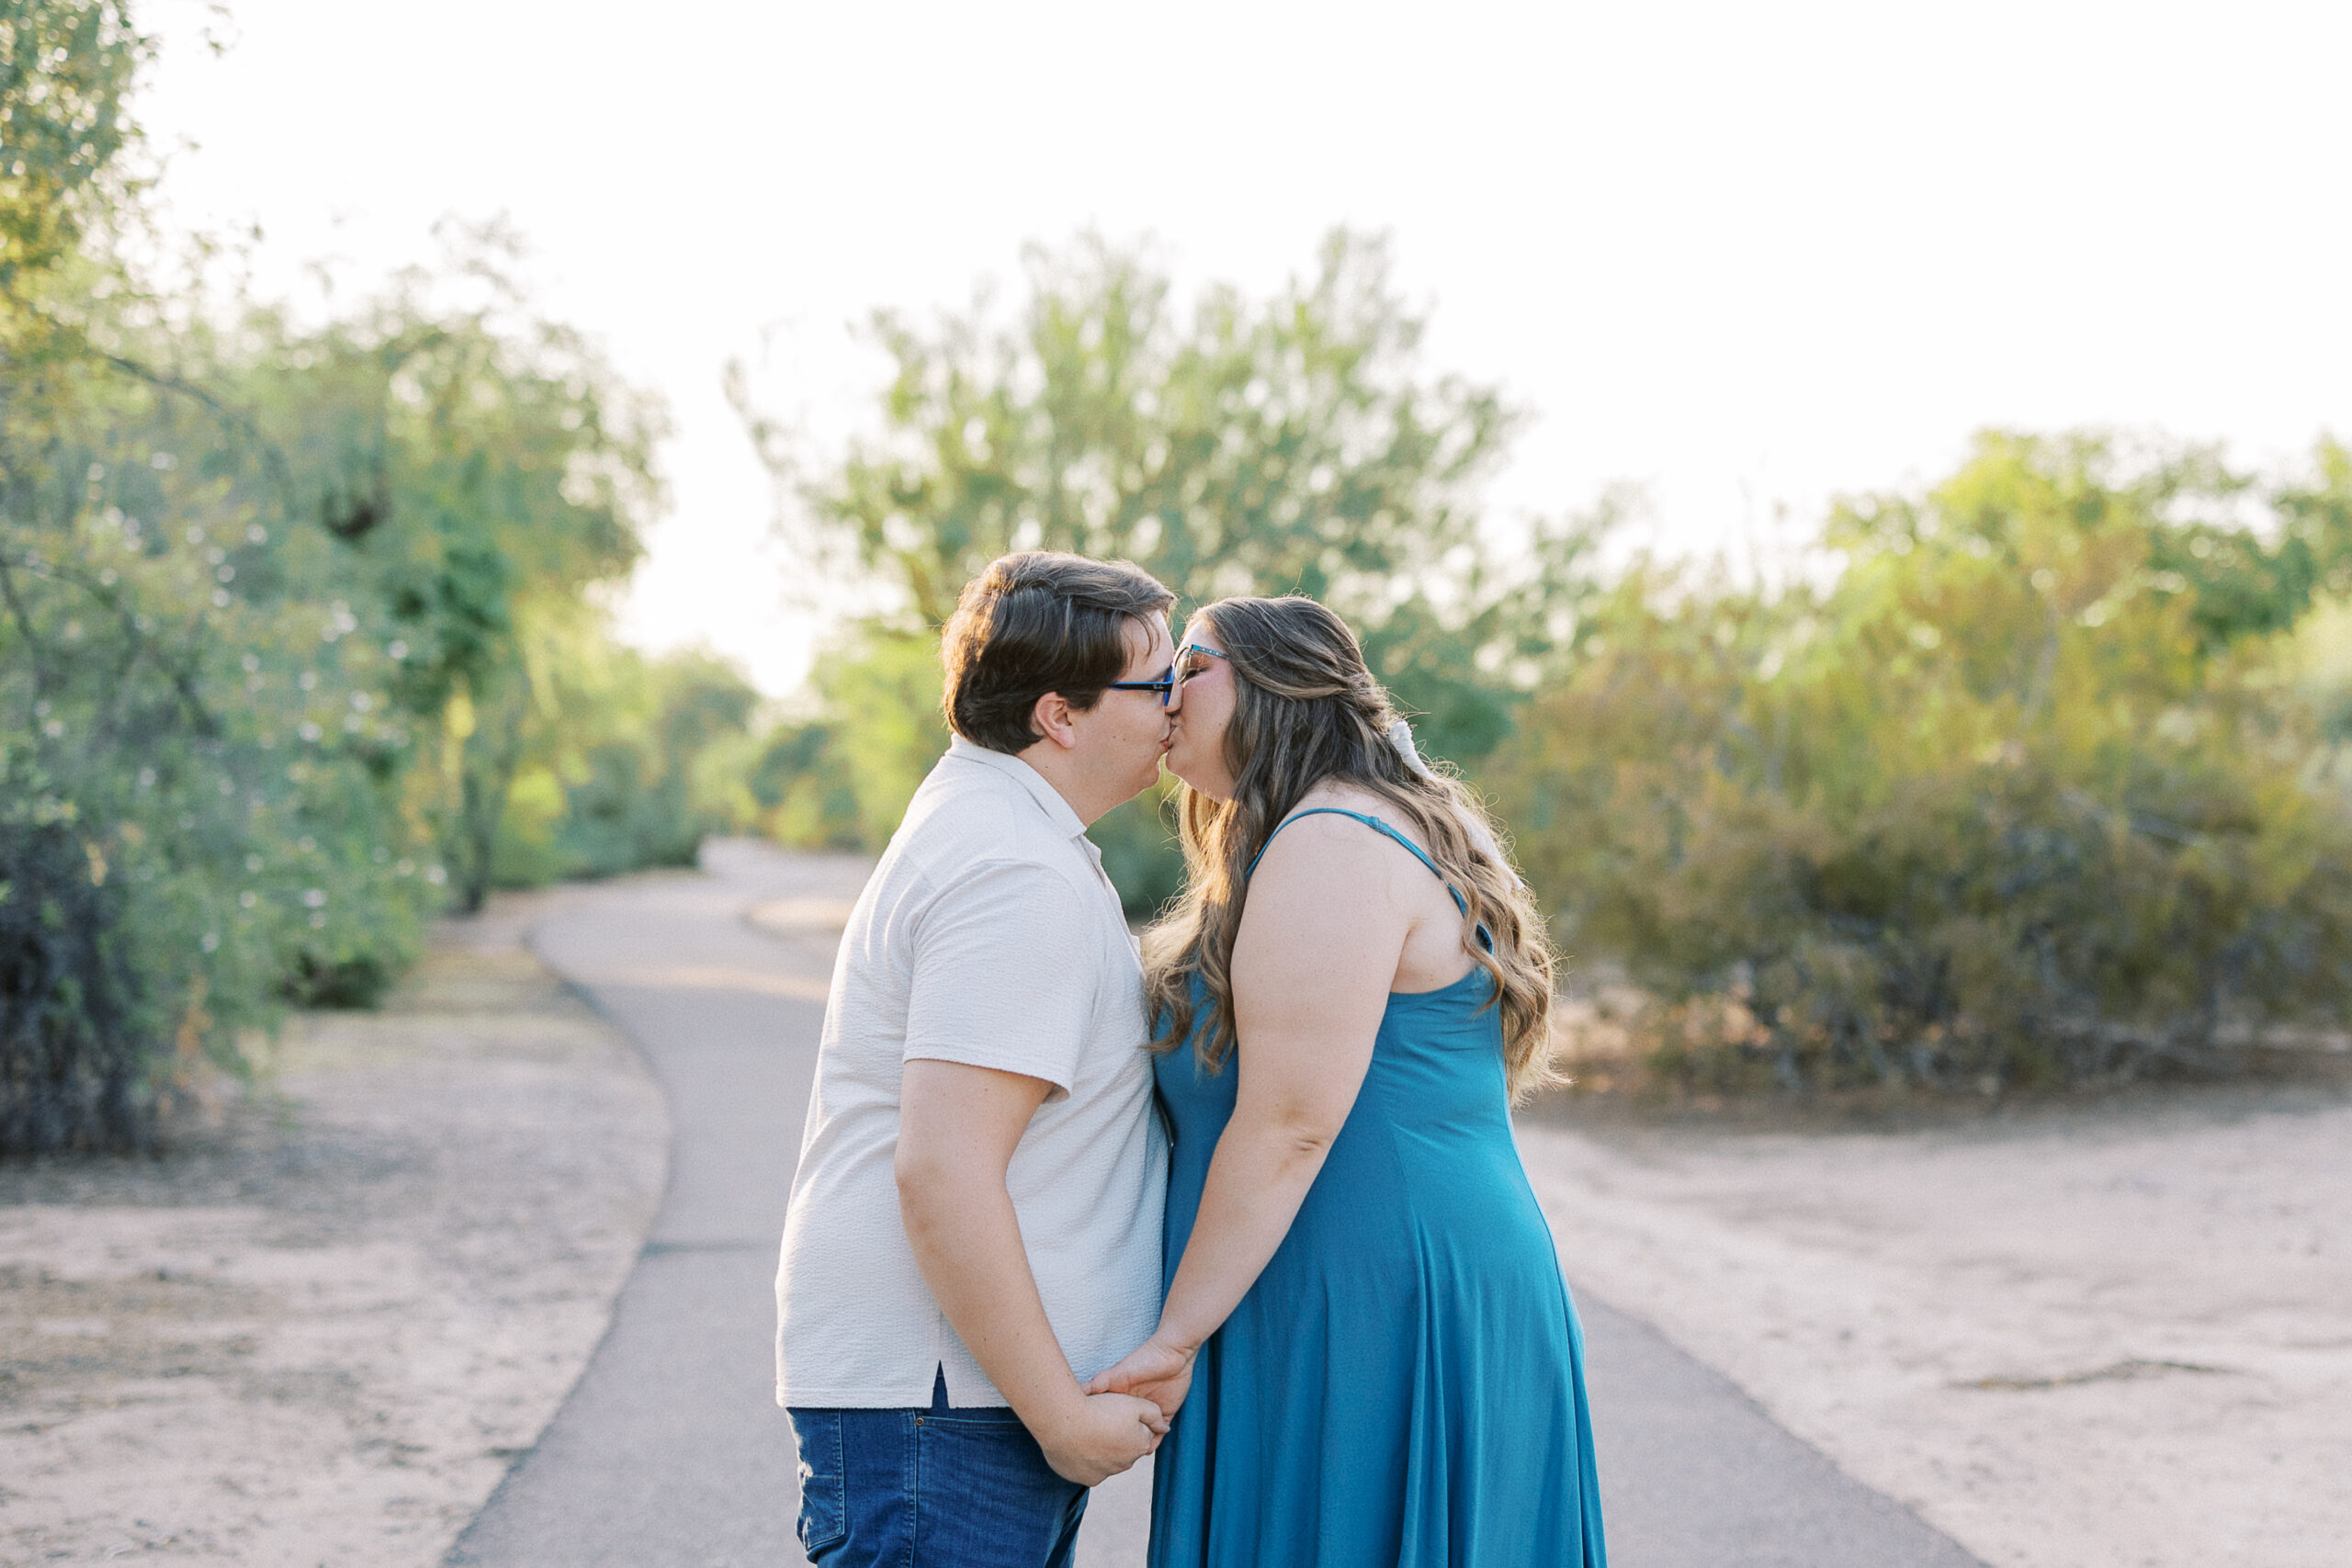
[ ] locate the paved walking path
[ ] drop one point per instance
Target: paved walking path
(671, 1452)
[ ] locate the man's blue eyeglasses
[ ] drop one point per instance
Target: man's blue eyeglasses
(1191, 660)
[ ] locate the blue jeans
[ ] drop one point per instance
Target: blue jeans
(936, 1488)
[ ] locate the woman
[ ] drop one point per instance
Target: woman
(1383, 1363)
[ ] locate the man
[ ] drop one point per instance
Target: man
(974, 1225)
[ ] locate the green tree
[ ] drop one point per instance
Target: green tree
(1289, 444)
(482, 469)
(183, 755)
(275, 613)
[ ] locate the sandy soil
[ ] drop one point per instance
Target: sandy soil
(2107, 1338)
(322, 1333)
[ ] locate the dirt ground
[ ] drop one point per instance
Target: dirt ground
(2116, 1336)
(319, 1333)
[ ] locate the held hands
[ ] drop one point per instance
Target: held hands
(1100, 1434)
(1156, 1370)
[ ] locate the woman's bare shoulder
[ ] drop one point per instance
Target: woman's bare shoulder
(1333, 854)
(1322, 872)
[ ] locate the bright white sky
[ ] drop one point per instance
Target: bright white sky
(1741, 255)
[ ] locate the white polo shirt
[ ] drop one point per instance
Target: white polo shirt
(988, 935)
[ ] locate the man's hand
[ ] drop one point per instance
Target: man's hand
(1098, 1437)
(1154, 1370)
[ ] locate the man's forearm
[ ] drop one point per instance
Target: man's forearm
(967, 1240)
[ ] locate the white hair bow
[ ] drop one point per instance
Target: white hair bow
(1400, 735)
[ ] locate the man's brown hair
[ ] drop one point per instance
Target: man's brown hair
(1036, 622)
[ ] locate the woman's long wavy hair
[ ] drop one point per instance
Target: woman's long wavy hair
(1306, 710)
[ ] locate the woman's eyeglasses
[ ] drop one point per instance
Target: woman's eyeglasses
(1190, 660)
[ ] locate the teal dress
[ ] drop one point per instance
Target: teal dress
(1405, 1382)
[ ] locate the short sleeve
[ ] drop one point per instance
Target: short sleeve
(1004, 964)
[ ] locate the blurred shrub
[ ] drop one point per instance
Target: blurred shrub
(629, 762)
(2028, 796)
(844, 780)
(802, 794)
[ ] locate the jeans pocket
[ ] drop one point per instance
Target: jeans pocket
(989, 1496)
(824, 1501)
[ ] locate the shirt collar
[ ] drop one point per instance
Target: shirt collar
(1048, 798)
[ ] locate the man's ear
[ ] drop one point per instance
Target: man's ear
(1051, 719)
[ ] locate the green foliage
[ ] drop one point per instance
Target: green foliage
(801, 793)
(65, 68)
(627, 763)
(172, 811)
(1284, 445)
(481, 469)
(844, 780)
(1292, 444)
(2026, 797)
(284, 612)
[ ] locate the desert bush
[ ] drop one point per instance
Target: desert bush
(2028, 795)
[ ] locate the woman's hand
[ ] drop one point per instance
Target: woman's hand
(1155, 1369)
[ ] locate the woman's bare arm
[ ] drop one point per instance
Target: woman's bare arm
(1312, 966)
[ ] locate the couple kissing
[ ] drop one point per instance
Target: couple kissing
(1245, 1201)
